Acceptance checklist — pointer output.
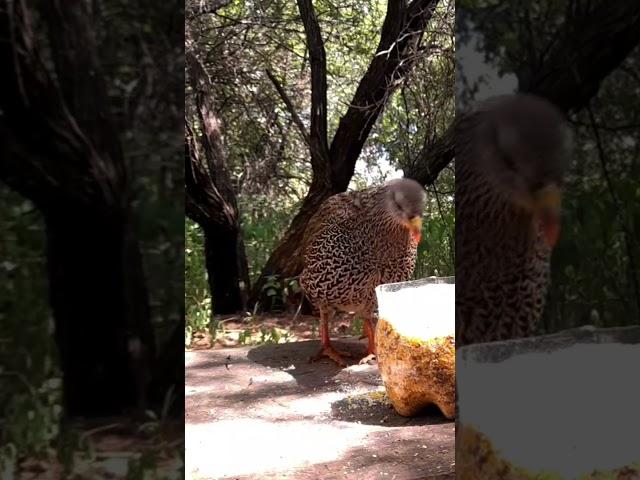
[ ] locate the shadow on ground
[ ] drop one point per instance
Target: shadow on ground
(269, 413)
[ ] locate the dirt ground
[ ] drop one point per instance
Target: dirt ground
(265, 412)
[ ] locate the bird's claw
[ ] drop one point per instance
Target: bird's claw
(333, 354)
(367, 359)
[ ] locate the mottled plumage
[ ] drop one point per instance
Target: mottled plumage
(511, 154)
(357, 241)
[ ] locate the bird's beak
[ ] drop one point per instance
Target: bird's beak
(415, 225)
(546, 204)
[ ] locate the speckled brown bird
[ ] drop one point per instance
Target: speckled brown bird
(355, 242)
(511, 155)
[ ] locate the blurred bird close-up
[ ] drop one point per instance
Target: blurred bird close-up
(511, 155)
(356, 241)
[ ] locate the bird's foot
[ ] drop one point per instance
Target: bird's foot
(333, 354)
(367, 359)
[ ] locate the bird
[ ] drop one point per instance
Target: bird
(511, 155)
(356, 241)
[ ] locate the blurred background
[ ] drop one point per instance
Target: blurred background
(92, 239)
(555, 49)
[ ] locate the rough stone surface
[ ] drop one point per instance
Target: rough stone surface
(417, 372)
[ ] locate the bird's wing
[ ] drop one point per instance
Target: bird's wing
(338, 210)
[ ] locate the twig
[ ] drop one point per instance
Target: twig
(290, 108)
(443, 221)
(627, 234)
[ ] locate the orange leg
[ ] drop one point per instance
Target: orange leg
(327, 349)
(369, 333)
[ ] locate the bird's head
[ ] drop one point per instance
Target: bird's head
(405, 200)
(526, 144)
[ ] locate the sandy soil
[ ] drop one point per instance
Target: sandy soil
(265, 412)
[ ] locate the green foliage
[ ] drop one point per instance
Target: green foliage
(281, 291)
(29, 374)
(268, 336)
(596, 265)
(265, 219)
(30, 393)
(197, 300)
(355, 327)
(437, 246)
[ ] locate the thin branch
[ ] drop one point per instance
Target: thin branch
(628, 235)
(612, 129)
(201, 8)
(291, 109)
(444, 221)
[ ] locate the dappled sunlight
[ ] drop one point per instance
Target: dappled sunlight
(266, 412)
(230, 450)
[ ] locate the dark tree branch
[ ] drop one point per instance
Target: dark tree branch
(318, 60)
(433, 158)
(400, 38)
(215, 173)
(202, 198)
(85, 164)
(594, 47)
(205, 108)
(210, 196)
(25, 171)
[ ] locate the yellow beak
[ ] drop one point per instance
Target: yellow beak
(546, 205)
(415, 225)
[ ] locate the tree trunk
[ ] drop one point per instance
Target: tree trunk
(169, 373)
(286, 261)
(211, 199)
(223, 262)
(226, 260)
(99, 302)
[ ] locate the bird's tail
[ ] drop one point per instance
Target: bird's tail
(295, 317)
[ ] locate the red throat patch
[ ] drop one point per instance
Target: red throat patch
(551, 232)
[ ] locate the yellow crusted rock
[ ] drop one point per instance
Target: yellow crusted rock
(417, 370)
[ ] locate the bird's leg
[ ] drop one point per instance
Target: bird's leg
(368, 332)
(365, 334)
(327, 350)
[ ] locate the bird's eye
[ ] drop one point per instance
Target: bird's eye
(398, 206)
